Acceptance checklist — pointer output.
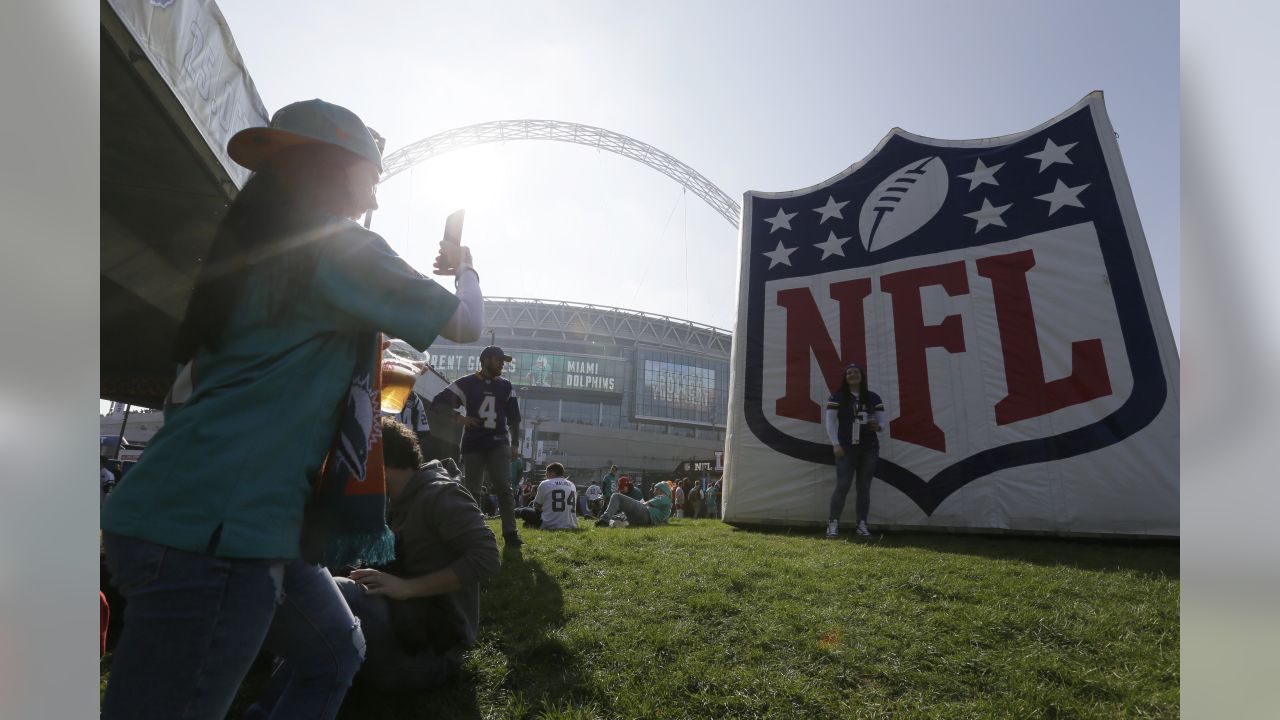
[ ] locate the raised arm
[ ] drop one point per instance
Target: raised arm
(468, 319)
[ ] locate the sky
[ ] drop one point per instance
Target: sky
(753, 95)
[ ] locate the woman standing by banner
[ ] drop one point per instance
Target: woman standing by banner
(854, 415)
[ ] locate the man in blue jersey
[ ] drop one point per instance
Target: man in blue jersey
(490, 417)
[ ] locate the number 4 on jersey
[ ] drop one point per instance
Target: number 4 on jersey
(489, 412)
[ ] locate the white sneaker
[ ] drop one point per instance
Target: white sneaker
(862, 529)
(833, 528)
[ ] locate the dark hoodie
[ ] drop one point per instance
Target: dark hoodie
(437, 525)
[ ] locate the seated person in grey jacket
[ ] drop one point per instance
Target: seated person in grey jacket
(422, 612)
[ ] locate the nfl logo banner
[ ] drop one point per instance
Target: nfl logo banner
(1001, 295)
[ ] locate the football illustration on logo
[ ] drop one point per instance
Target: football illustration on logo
(902, 203)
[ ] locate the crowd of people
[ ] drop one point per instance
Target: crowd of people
(687, 497)
(335, 543)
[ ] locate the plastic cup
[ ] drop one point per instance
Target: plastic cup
(398, 378)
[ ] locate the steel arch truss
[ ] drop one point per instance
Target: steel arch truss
(590, 136)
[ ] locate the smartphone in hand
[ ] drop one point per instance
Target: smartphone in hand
(445, 261)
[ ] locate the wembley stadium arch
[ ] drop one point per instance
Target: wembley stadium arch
(559, 131)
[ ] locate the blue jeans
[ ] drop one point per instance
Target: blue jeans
(193, 624)
(637, 512)
(531, 517)
(861, 458)
(493, 465)
(390, 667)
(320, 644)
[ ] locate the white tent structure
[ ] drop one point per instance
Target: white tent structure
(174, 90)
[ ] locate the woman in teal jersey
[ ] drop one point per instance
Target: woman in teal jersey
(202, 536)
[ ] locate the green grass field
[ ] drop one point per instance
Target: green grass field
(702, 620)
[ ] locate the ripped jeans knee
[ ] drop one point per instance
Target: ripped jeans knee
(276, 572)
(359, 645)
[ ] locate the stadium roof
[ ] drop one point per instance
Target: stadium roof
(557, 319)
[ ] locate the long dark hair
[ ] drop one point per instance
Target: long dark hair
(272, 226)
(847, 392)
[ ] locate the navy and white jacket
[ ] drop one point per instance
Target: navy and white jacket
(844, 411)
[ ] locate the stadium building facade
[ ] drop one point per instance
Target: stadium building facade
(603, 385)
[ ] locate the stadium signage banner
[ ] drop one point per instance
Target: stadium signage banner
(539, 369)
(1001, 294)
(682, 388)
(696, 466)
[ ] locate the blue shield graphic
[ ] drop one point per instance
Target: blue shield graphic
(990, 286)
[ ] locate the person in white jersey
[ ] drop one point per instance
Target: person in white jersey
(555, 504)
(595, 498)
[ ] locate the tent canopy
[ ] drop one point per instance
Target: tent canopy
(173, 90)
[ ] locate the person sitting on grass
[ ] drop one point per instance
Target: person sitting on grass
(488, 502)
(630, 489)
(594, 498)
(554, 504)
(420, 613)
(652, 512)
